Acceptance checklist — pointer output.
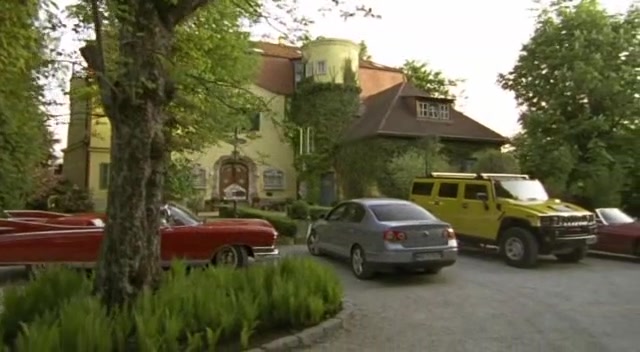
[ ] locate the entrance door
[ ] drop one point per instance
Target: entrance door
(234, 181)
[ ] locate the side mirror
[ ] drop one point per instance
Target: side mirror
(482, 196)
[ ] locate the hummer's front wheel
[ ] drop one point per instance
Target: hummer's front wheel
(519, 247)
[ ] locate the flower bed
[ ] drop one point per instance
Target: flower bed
(205, 309)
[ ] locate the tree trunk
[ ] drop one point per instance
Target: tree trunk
(130, 254)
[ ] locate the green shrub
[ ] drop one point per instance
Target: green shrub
(283, 224)
(316, 210)
(298, 210)
(50, 290)
(190, 312)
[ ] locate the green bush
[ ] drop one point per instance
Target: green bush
(190, 312)
(298, 210)
(316, 210)
(283, 224)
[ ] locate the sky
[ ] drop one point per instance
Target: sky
(470, 40)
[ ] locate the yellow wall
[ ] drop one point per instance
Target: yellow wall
(267, 149)
(75, 155)
(334, 52)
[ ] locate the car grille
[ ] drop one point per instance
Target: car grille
(575, 220)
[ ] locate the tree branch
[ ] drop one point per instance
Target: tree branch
(94, 56)
(172, 14)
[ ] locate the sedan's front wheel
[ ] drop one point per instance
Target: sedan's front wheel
(359, 265)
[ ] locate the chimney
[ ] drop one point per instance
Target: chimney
(282, 40)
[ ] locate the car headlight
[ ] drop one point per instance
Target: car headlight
(549, 221)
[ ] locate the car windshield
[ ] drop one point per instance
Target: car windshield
(183, 216)
(614, 216)
(400, 212)
(525, 190)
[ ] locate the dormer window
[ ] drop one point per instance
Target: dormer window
(428, 110)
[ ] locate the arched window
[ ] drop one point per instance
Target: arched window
(273, 179)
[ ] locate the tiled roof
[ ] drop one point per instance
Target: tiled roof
(390, 113)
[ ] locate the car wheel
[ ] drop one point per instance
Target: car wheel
(312, 244)
(232, 256)
(519, 248)
(576, 255)
(359, 264)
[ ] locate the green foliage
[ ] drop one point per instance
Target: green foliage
(405, 166)
(202, 310)
(315, 211)
(179, 181)
(65, 197)
(432, 81)
(25, 141)
(298, 210)
(495, 161)
(364, 51)
(283, 224)
(576, 79)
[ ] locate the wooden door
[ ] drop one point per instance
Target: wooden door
(234, 181)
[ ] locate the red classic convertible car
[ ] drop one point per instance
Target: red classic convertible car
(38, 238)
(617, 232)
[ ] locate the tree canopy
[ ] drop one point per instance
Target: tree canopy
(577, 83)
(25, 141)
(428, 79)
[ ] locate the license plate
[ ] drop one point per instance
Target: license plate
(427, 256)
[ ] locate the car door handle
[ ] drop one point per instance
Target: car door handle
(465, 205)
(436, 202)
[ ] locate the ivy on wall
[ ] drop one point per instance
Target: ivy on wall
(327, 108)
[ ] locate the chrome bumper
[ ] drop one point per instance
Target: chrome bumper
(265, 252)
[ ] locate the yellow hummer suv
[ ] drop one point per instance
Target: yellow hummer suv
(510, 211)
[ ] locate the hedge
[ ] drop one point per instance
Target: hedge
(284, 225)
(200, 311)
(316, 210)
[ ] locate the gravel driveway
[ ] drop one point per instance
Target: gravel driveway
(480, 304)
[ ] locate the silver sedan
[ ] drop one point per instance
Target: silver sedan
(378, 234)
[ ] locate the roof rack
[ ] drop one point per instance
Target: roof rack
(477, 176)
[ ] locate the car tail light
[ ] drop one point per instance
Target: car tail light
(394, 236)
(449, 234)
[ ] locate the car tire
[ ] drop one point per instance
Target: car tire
(576, 255)
(232, 256)
(359, 265)
(312, 244)
(519, 248)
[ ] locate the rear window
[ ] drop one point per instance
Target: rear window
(400, 212)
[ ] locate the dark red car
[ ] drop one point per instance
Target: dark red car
(617, 232)
(39, 238)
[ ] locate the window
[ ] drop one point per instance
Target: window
(308, 68)
(431, 110)
(104, 176)
(448, 190)
(254, 122)
(471, 191)
(273, 179)
(298, 70)
(321, 67)
(336, 213)
(422, 188)
(400, 212)
(353, 213)
(199, 175)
